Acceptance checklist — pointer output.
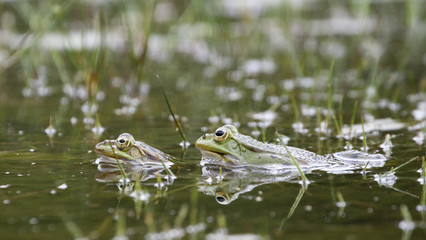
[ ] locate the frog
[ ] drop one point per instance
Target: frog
(229, 148)
(129, 151)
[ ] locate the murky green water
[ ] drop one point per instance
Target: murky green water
(220, 62)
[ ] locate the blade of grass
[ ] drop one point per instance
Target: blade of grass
(332, 191)
(364, 170)
(121, 225)
(341, 113)
(123, 173)
(353, 119)
(294, 206)
(183, 212)
(295, 108)
(400, 166)
(172, 113)
(364, 138)
(423, 195)
(407, 231)
(336, 124)
(330, 93)
(302, 175)
(72, 227)
(340, 204)
(138, 202)
(169, 173)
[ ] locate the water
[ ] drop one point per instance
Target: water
(261, 68)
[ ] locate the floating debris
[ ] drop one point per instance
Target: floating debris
(299, 128)
(253, 67)
(63, 186)
(387, 179)
(323, 128)
(348, 146)
(98, 129)
(420, 112)
(308, 111)
(407, 224)
(228, 94)
(50, 130)
(371, 125)
(88, 121)
(89, 108)
(75, 91)
(419, 126)
(37, 86)
(130, 105)
(419, 138)
(387, 145)
(213, 119)
(140, 195)
(184, 144)
(285, 139)
(74, 121)
(264, 119)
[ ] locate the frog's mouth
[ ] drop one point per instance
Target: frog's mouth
(217, 158)
(108, 149)
(212, 155)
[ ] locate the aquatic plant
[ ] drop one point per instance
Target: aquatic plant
(176, 121)
(302, 175)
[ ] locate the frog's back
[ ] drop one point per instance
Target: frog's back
(300, 155)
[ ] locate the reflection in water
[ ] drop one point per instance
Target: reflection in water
(110, 172)
(226, 185)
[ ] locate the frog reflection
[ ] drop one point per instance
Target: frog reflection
(227, 185)
(109, 172)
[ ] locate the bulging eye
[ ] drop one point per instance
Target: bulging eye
(222, 198)
(124, 142)
(221, 135)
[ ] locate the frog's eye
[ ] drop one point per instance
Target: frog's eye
(221, 134)
(223, 198)
(124, 142)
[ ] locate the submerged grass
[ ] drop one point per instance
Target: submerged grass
(407, 230)
(293, 206)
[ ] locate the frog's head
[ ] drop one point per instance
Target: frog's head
(221, 146)
(121, 148)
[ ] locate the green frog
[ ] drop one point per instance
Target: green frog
(228, 147)
(127, 150)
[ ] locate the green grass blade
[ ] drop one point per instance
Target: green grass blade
(364, 138)
(400, 166)
(353, 118)
(304, 178)
(172, 113)
(123, 173)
